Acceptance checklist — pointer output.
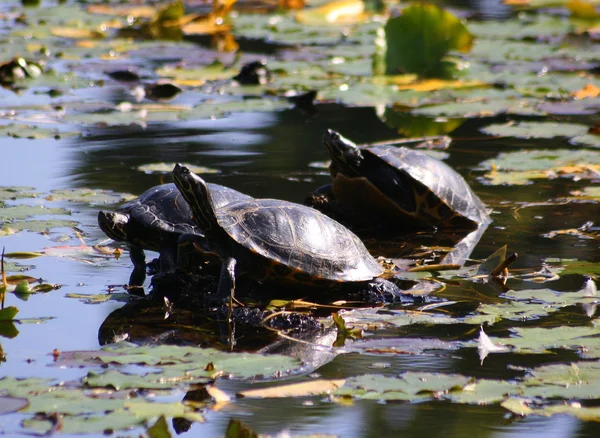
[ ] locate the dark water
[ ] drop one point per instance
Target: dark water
(268, 155)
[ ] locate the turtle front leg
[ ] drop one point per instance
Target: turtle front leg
(167, 260)
(138, 275)
(193, 253)
(226, 287)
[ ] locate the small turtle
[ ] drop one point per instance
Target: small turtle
(389, 186)
(274, 240)
(156, 220)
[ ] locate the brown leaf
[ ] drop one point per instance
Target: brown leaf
(313, 387)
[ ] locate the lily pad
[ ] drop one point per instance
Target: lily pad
(19, 212)
(168, 168)
(33, 132)
(192, 362)
(522, 166)
(535, 130)
(408, 386)
(35, 226)
(485, 391)
(419, 39)
(540, 340)
(89, 196)
(483, 108)
(13, 192)
(12, 404)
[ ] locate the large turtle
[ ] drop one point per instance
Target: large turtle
(275, 240)
(390, 186)
(156, 220)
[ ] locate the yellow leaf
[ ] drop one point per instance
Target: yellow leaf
(590, 90)
(313, 387)
(225, 42)
(76, 33)
(291, 4)
(217, 394)
(338, 12)
(123, 11)
(582, 9)
(207, 26)
(86, 44)
(440, 84)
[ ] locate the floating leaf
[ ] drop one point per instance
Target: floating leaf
(89, 196)
(8, 313)
(418, 39)
(482, 108)
(12, 192)
(35, 226)
(408, 386)
(485, 391)
(303, 389)
(522, 166)
(168, 168)
(33, 132)
(336, 12)
(160, 429)
(118, 380)
(540, 340)
(535, 129)
(582, 9)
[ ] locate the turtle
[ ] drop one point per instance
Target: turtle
(272, 240)
(157, 220)
(387, 186)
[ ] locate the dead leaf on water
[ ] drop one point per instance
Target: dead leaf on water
(337, 12)
(590, 90)
(304, 389)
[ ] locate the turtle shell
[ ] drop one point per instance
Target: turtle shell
(398, 182)
(163, 207)
(282, 239)
(161, 214)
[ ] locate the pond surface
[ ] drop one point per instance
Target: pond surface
(278, 154)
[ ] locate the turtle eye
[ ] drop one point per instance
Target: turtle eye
(335, 136)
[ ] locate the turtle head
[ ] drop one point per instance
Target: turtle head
(345, 155)
(114, 224)
(195, 191)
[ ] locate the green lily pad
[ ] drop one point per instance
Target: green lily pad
(485, 391)
(192, 362)
(522, 408)
(540, 340)
(8, 313)
(524, 26)
(420, 37)
(15, 192)
(33, 132)
(501, 51)
(492, 313)
(89, 196)
(101, 298)
(522, 166)
(117, 380)
(587, 140)
(589, 193)
(535, 129)
(12, 404)
(483, 108)
(398, 319)
(408, 386)
(548, 297)
(19, 212)
(35, 226)
(572, 266)
(168, 168)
